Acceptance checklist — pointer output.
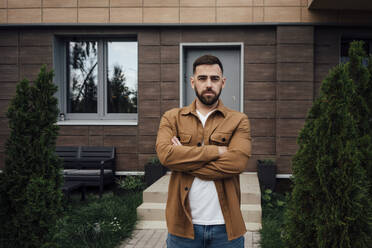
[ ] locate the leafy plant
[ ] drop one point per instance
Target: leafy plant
(97, 223)
(272, 201)
(273, 207)
(266, 162)
(154, 160)
(131, 183)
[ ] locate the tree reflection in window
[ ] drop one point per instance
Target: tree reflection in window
(122, 77)
(82, 87)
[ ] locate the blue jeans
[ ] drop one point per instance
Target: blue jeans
(213, 236)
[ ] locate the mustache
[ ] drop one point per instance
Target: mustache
(208, 91)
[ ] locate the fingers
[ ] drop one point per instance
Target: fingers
(222, 149)
(175, 141)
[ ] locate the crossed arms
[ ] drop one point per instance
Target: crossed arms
(208, 162)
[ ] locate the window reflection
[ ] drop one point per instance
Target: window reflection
(82, 75)
(122, 77)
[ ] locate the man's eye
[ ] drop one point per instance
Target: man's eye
(215, 78)
(202, 78)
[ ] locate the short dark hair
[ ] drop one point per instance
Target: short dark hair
(206, 60)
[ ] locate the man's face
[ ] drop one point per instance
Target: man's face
(208, 82)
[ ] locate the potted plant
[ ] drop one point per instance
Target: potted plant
(266, 173)
(153, 171)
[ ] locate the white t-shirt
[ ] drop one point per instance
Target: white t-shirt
(203, 197)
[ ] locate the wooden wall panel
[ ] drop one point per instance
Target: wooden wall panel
(283, 68)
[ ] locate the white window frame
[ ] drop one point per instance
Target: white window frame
(102, 117)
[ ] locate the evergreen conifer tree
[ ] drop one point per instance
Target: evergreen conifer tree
(30, 188)
(330, 206)
(362, 107)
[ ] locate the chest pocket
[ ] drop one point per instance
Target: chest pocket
(184, 138)
(220, 138)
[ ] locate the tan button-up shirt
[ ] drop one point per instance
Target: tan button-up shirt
(224, 127)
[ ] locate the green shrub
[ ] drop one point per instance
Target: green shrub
(330, 206)
(273, 206)
(30, 186)
(101, 223)
(131, 183)
(266, 162)
(362, 107)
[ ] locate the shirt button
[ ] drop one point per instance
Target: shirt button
(223, 139)
(199, 144)
(186, 188)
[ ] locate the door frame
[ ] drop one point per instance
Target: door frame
(183, 46)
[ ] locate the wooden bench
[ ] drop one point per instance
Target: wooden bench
(70, 186)
(90, 165)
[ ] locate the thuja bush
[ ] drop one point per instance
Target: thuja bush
(330, 205)
(30, 186)
(362, 107)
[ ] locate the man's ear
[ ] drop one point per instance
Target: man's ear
(192, 82)
(223, 82)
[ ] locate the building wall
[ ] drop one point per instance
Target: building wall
(171, 11)
(283, 69)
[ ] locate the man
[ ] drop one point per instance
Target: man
(206, 146)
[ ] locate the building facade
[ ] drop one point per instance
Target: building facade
(120, 64)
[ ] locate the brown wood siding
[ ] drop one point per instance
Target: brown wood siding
(295, 76)
(283, 69)
(174, 11)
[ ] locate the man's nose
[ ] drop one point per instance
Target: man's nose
(209, 82)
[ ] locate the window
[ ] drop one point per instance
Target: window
(345, 45)
(97, 78)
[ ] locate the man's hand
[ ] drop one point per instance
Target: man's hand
(221, 149)
(176, 142)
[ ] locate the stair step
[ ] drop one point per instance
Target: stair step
(152, 211)
(147, 224)
(250, 190)
(156, 212)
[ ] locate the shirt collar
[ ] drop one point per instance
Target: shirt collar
(191, 109)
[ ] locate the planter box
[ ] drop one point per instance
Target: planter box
(266, 175)
(153, 172)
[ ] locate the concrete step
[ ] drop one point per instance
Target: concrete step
(249, 186)
(148, 224)
(151, 212)
(151, 224)
(156, 212)
(157, 192)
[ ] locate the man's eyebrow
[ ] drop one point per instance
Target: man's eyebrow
(207, 75)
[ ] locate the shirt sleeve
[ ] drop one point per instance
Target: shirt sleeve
(181, 158)
(234, 160)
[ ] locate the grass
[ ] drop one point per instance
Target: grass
(273, 206)
(102, 223)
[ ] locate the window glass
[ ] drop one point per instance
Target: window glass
(97, 77)
(82, 77)
(122, 77)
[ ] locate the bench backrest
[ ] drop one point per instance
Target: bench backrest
(68, 152)
(97, 152)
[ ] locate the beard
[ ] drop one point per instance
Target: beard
(208, 100)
